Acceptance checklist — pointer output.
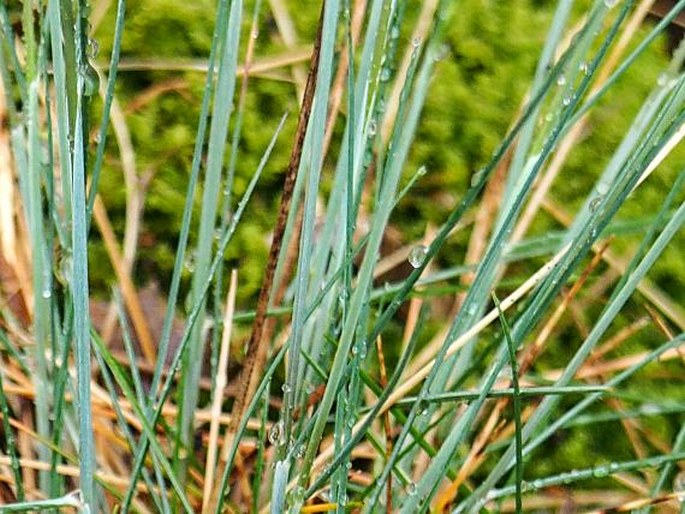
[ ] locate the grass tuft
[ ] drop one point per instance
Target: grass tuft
(357, 365)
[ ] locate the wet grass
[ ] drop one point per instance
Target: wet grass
(377, 370)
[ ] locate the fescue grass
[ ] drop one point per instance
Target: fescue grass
(437, 391)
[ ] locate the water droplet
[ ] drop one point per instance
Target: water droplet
(561, 80)
(255, 33)
(385, 74)
(650, 409)
(371, 128)
(477, 177)
(602, 188)
(421, 171)
(47, 292)
(583, 67)
(299, 451)
(277, 434)
(679, 485)
(610, 3)
(93, 48)
(411, 488)
(84, 11)
(190, 262)
(662, 79)
(296, 496)
(549, 116)
(600, 472)
(537, 484)
(566, 101)
(343, 295)
(417, 255)
(286, 388)
(416, 41)
(361, 348)
(91, 80)
(595, 202)
(441, 53)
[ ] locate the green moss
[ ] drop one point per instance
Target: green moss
(159, 29)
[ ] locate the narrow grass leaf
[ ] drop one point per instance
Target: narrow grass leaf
(79, 288)
(516, 400)
(73, 500)
(11, 442)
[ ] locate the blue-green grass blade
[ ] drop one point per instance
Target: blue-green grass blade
(13, 352)
(516, 401)
(71, 500)
(11, 442)
(62, 412)
(42, 313)
(571, 477)
(79, 288)
(260, 463)
(107, 104)
(64, 128)
(523, 392)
